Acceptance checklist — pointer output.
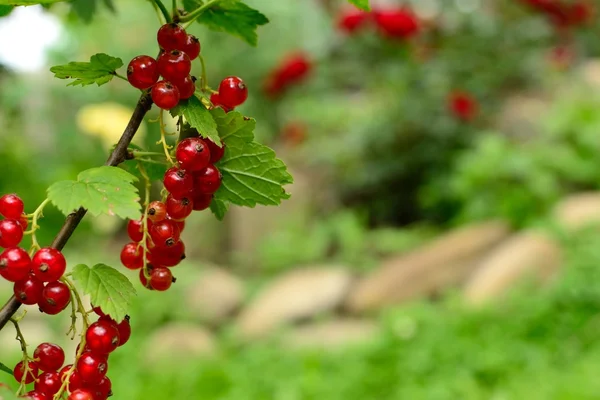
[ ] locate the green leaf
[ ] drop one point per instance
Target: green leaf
(362, 4)
(108, 288)
(5, 369)
(102, 190)
(219, 208)
(198, 116)
(27, 2)
(233, 124)
(100, 70)
(191, 5)
(155, 169)
(234, 17)
(5, 10)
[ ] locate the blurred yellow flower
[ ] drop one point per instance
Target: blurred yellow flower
(107, 121)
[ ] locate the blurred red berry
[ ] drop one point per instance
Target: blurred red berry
(399, 23)
(292, 69)
(351, 19)
(463, 106)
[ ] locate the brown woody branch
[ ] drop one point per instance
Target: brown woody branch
(72, 221)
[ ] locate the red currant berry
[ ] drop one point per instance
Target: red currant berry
(169, 257)
(201, 201)
(171, 37)
(191, 47)
(208, 180)
(37, 395)
(165, 234)
(81, 394)
(92, 367)
(75, 381)
(48, 264)
(28, 291)
(157, 211)
(55, 298)
(32, 373)
(11, 233)
(174, 65)
(215, 99)
(124, 331)
(142, 72)
(135, 230)
(98, 311)
(232, 92)
(165, 95)
(11, 206)
(15, 264)
(23, 222)
(186, 86)
(104, 388)
(216, 152)
(193, 154)
(48, 383)
(161, 279)
(179, 224)
(132, 256)
(50, 356)
(179, 209)
(102, 337)
(178, 182)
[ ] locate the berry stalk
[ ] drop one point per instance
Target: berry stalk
(72, 221)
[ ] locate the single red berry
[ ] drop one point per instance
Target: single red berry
(124, 328)
(102, 337)
(37, 395)
(132, 256)
(165, 234)
(294, 68)
(92, 367)
(11, 206)
(216, 100)
(201, 201)
(81, 394)
(135, 230)
(142, 72)
(98, 311)
(191, 47)
(178, 182)
(208, 180)
(174, 65)
(48, 383)
(104, 388)
(161, 279)
(48, 264)
(165, 95)
(28, 291)
(352, 19)
(179, 224)
(11, 233)
(232, 91)
(32, 373)
(186, 86)
(193, 154)
(50, 356)
(399, 23)
(463, 106)
(179, 209)
(15, 264)
(157, 211)
(55, 298)
(171, 37)
(216, 152)
(23, 222)
(168, 257)
(75, 381)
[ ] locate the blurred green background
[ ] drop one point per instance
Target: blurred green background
(383, 167)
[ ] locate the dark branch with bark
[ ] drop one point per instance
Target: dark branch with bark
(72, 221)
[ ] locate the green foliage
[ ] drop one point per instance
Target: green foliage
(7, 394)
(4, 368)
(86, 9)
(102, 190)
(219, 208)
(234, 17)
(108, 288)
(198, 117)
(5, 10)
(99, 70)
(28, 2)
(153, 168)
(362, 4)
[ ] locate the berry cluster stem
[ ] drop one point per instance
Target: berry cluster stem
(163, 138)
(26, 358)
(72, 221)
(147, 187)
(39, 212)
(189, 18)
(163, 10)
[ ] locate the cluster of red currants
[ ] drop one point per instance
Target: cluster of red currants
(177, 51)
(564, 14)
(88, 380)
(36, 280)
(191, 185)
(394, 22)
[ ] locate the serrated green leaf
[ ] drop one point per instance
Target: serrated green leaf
(362, 4)
(99, 70)
(233, 124)
(234, 17)
(4, 368)
(27, 2)
(102, 190)
(108, 288)
(198, 116)
(219, 208)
